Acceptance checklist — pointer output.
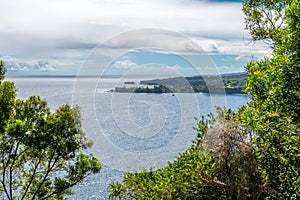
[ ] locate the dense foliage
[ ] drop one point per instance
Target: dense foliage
(252, 154)
(265, 19)
(219, 165)
(154, 89)
(40, 151)
(227, 83)
(275, 107)
(2, 71)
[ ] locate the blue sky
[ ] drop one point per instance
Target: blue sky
(59, 37)
(134, 62)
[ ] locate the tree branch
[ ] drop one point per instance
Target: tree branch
(32, 177)
(50, 167)
(70, 186)
(11, 169)
(4, 172)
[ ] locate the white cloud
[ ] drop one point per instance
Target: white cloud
(210, 46)
(130, 68)
(154, 70)
(69, 30)
(15, 64)
(243, 58)
(88, 21)
(126, 64)
(167, 41)
(230, 69)
(45, 65)
(57, 17)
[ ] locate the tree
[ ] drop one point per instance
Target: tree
(219, 165)
(40, 151)
(2, 70)
(266, 19)
(254, 154)
(273, 83)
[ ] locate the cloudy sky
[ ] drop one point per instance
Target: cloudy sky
(67, 37)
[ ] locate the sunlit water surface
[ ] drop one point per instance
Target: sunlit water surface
(139, 130)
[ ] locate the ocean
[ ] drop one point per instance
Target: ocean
(131, 131)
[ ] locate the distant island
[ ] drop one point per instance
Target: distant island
(227, 83)
(129, 82)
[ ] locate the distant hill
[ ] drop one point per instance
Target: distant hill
(226, 83)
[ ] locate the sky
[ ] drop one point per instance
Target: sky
(117, 37)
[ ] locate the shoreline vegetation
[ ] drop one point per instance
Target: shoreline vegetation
(225, 84)
(249, 154)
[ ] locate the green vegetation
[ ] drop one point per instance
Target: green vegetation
(129, 82)
(2, 71)
(275, 107)
(155, 89)
(220, 165)
(40, 152)
(231, 83)
(252, 154)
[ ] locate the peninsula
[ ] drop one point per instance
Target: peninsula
(226, 83)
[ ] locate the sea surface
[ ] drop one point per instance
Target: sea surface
(130, 131)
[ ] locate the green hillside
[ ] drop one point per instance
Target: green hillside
(226, 83)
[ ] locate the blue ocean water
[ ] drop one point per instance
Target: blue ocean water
(130, 131)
